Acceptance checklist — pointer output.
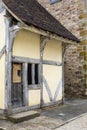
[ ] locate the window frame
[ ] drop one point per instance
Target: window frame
(33, 75)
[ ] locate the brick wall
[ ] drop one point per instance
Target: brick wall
(68, 13)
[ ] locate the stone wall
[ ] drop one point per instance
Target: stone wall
(68, 13)
(83, 33)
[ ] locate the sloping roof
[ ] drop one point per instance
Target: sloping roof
(32, 13)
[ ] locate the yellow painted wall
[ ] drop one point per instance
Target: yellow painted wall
(52, 74)
(53, 51)
(34, 97)
(2, 82)
(2, 30)
(27, 44)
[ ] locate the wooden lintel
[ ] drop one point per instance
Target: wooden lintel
(52, 63)
(34, 87)
(26, 60)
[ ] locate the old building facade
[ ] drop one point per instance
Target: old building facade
(31, 57)
(71, 13)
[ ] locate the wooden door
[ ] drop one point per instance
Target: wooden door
(17, 86)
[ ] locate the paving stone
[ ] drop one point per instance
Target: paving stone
(46, 122)
(77, 124)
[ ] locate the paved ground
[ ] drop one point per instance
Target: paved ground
(54, 117)
(77, 124)
(71, 109)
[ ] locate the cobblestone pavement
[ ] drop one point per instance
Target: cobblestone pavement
(53, 118)
(77, 124)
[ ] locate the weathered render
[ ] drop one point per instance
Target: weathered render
(31, 57)
(2, 60)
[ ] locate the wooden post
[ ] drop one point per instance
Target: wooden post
(10, 35)
(25, 85)
(8, 105)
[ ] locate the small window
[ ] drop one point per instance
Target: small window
(54, 1)
(17, 73)
(33, 74)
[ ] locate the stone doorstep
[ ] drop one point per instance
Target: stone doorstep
(19, 117)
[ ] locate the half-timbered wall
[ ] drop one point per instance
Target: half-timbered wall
(27, 45)
(52, 75)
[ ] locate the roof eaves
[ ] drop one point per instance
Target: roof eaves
(40, 30)
(46, 33)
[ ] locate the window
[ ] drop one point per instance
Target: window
(54, 1)
(33, 74)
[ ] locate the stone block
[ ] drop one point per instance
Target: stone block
(84, 42)
(85, 66)
(85, 58)
(82, 53)
(19, 117)
(83, 15)
(83, 33)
